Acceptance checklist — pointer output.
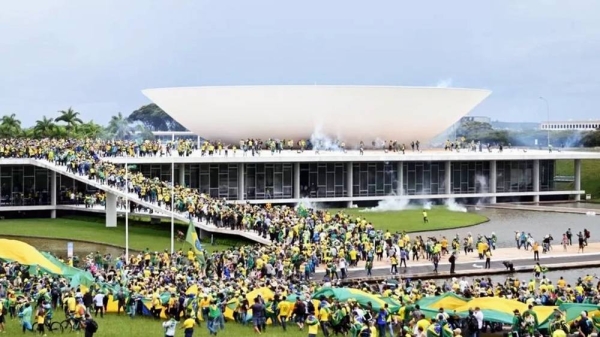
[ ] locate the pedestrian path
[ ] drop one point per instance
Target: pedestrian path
(545, 208)
(501, 254)
(157, 209)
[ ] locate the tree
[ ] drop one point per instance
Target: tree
(155, 119)
(71, 119)
(118, 127)
(45, 128)
(91, 130)
(591, 139)
(10, 126)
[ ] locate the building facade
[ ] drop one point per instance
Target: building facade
(332, 178)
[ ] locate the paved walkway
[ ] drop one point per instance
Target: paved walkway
(545, 208)
(499, 255)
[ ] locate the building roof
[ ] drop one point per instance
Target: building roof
(350, 113)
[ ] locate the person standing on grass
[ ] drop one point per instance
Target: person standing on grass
(99, 304)
(258, 310)
(313, 325)
(170, 327)
(89, 325)
(189, 324)
(425, 218)
(40, 318)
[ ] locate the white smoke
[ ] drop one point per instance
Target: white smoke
(482, 183)
(306, 203)
(453, 206)
(390, 204)
(427, 205)
(444, 83)
(481, 187)
(323, 142)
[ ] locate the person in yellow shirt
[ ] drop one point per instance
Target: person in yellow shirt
(324, 313)
(488, 259)
(71, 304)
(283, 308)
(40, 317)
(423, 323)
(188, 326)
(313, 326)
(536, 251)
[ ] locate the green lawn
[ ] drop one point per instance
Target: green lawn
(117, 326)
(412, 220)
(142, 234)
(590, 178)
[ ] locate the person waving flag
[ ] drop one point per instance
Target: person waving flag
(192, 239)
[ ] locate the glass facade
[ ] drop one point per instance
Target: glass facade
(424, 177)
(547, 172)
(216, 180)
(24, 185)
(470, 177)
(374, 179)
(323, 180)
(514, 176)
(269, 181)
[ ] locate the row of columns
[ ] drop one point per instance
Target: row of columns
(111, 199)
(400, 179)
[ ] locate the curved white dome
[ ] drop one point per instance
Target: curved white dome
(351, 113)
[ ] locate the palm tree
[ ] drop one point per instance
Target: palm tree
(119, 127)
(45, 127)
(71, 119)
(10, 126)
(91, 130)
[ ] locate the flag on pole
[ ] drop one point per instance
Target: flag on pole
(192, 239)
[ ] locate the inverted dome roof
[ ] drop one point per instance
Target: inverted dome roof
(351, 113)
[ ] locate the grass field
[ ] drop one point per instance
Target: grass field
(117, 326)
(590, 175)
(411, 220)
(142, 234)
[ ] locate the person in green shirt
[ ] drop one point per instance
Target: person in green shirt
(517, 323)
(533, 314)
(213, 317)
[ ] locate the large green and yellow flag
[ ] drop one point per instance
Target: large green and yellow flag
(192, 239)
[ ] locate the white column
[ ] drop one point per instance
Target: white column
(536, 180)
(181, 174)
(296, 180)
(493, 182)
(448, 179)
(577, 177)
(241, 181)
(400, 178)
(111, 210)
(350, 182)
(53, 194)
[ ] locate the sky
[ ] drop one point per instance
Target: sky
(97, 56)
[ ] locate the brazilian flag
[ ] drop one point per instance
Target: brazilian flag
(302, 211)
(192, 239)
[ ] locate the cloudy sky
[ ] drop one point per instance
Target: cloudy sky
(97, 56)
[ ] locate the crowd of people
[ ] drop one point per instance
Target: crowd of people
(302, 240)
(36, 299)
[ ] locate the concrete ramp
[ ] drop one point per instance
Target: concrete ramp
(112, 193)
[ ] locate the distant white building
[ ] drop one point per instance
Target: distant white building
(571, 125)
